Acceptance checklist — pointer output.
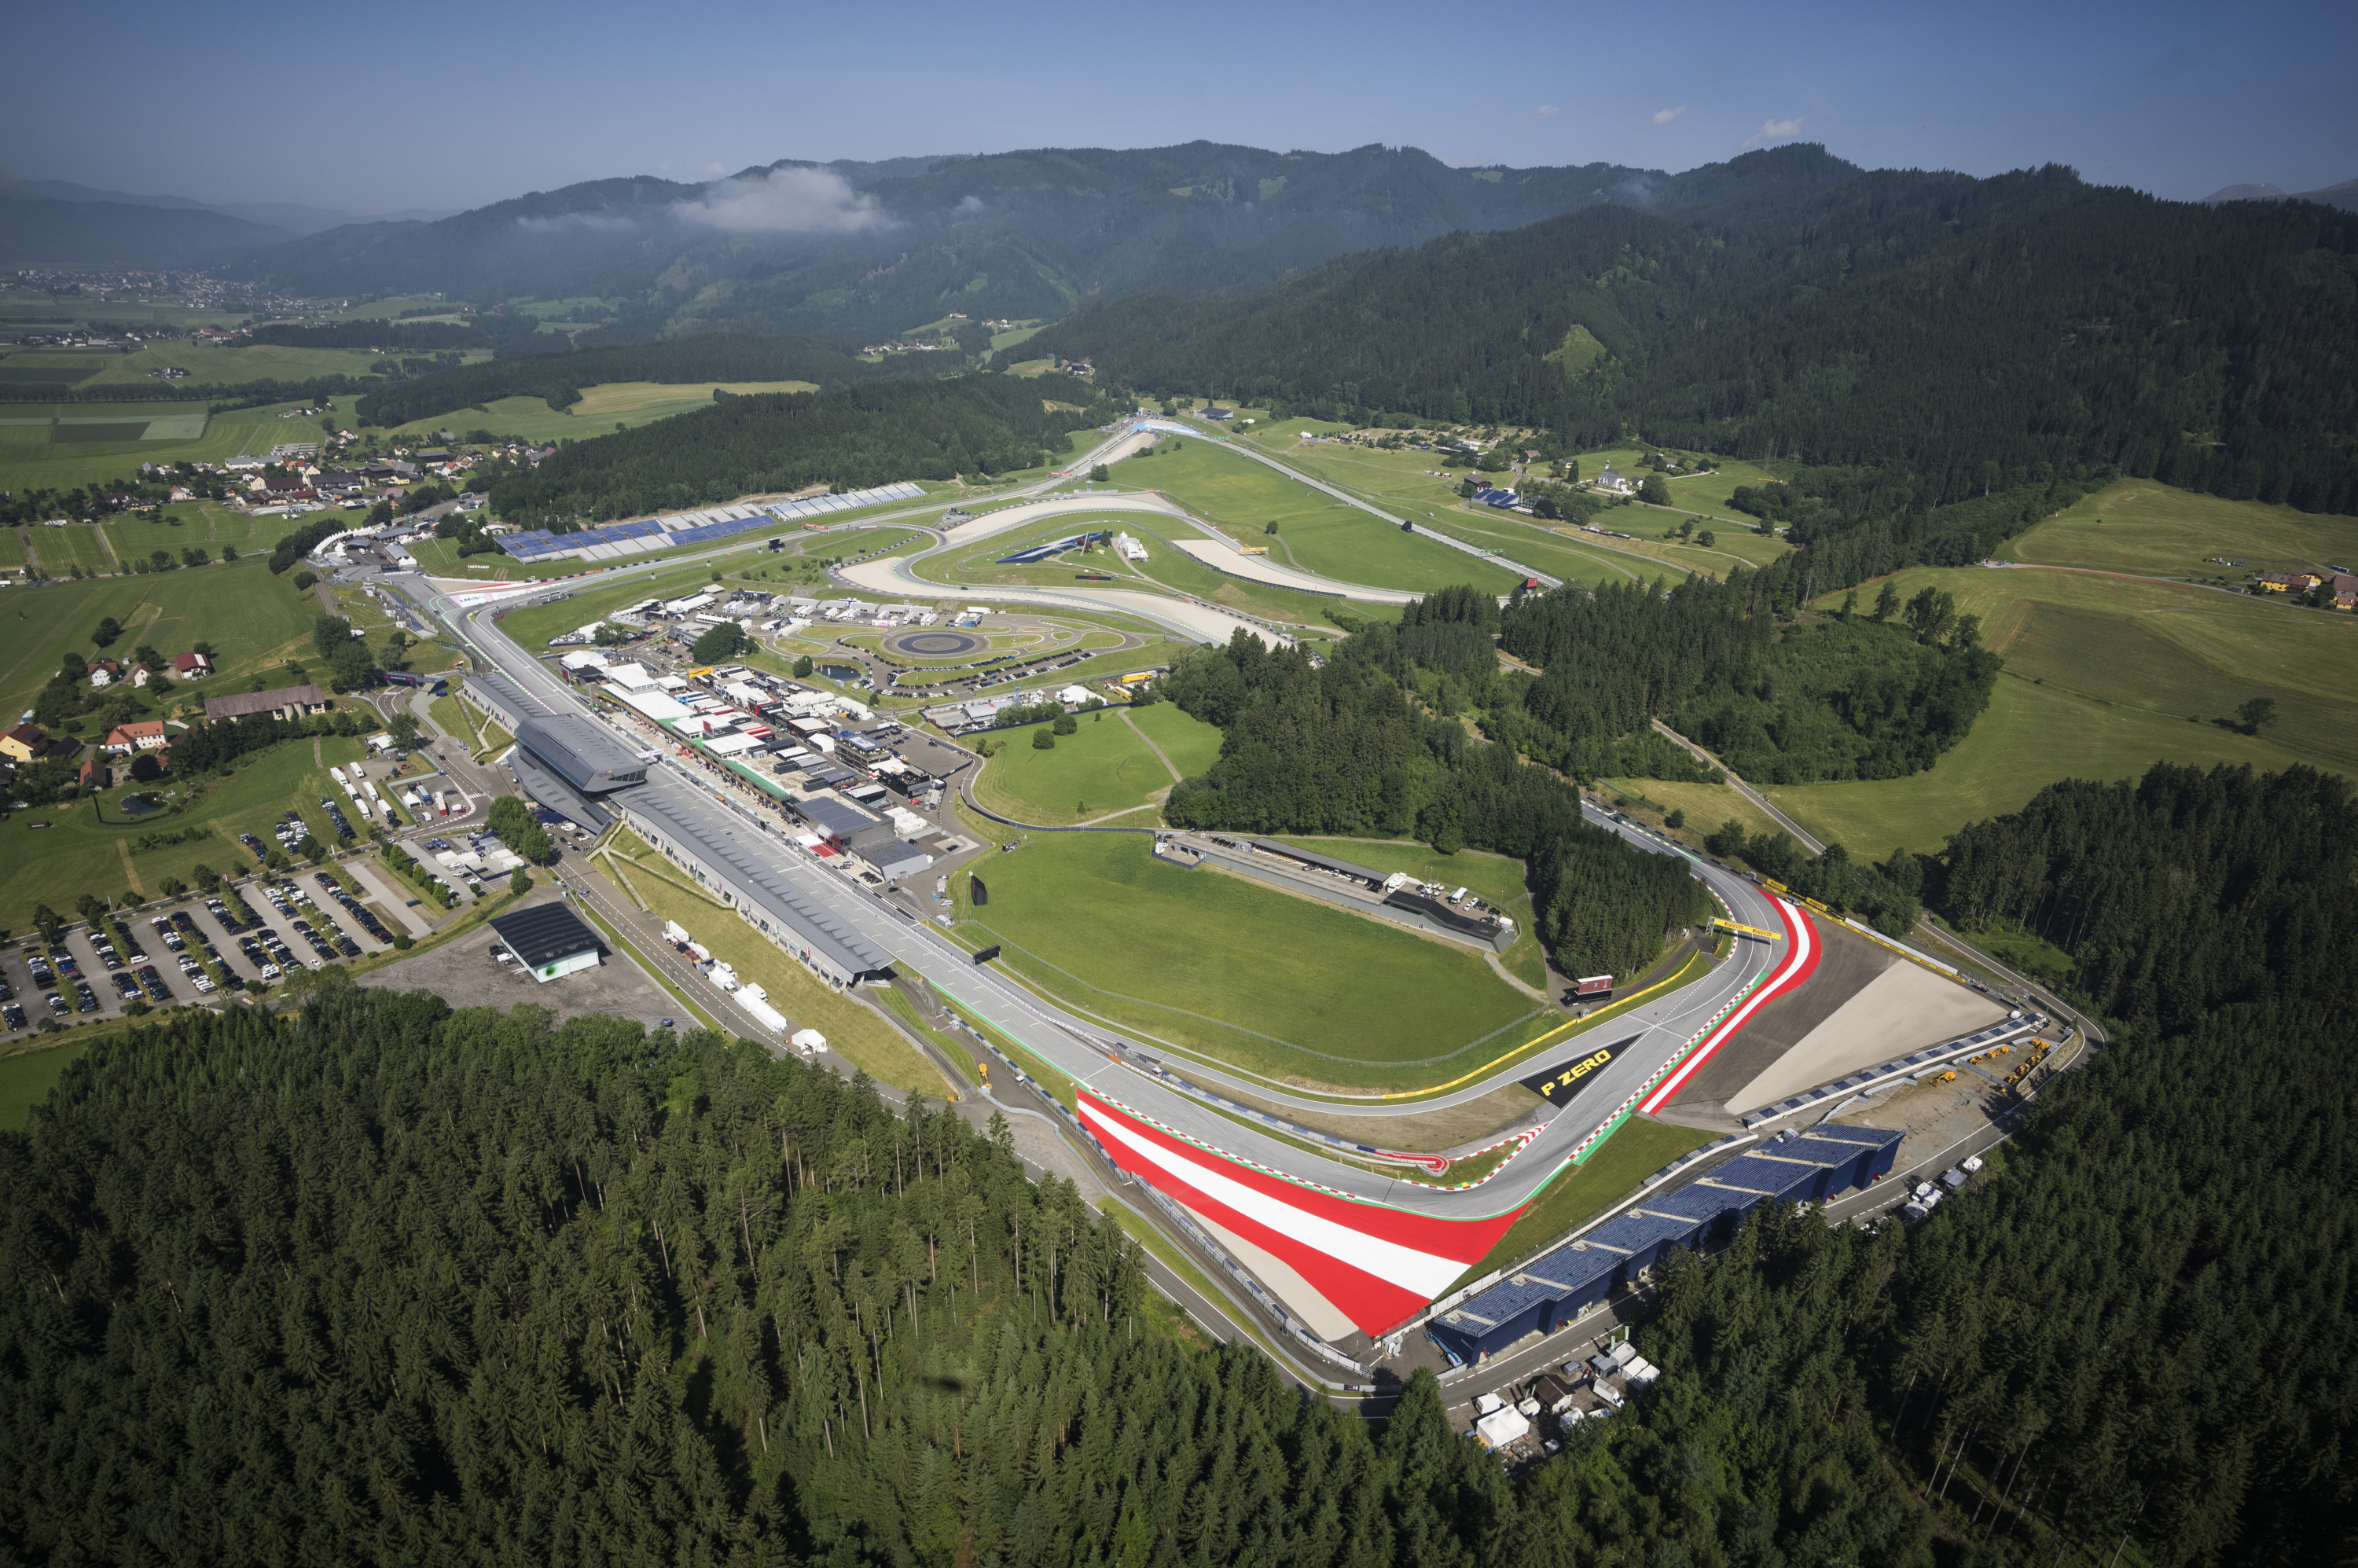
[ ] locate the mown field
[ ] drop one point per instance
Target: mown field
(88, 848)
(1497, 880)
(32, 458)
(28, 1077)
(2137, 525)
(2104, 676)
(208, 364)
(1102, 767)
(1285, 987)
(1315, 532)
(602, 408)
(1637, 1149)
(253, 621)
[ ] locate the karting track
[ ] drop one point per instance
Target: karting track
(1376, 1246)
(936, 644)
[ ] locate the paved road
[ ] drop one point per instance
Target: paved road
(1092, 1054)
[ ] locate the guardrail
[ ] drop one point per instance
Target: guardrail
(1900, 1067)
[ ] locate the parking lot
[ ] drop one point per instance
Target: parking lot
(258, 931)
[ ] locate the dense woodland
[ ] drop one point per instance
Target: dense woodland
(1340, 749)
(863, 435)
(1926, 323)
(383, 1282)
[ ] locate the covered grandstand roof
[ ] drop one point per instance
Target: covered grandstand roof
(584, 754)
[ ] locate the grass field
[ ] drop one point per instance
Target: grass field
(1284, 987)
(87, 846)
(1315, 532)
(2137, 525)
(208, 364)
(50, 464)
(1104, 766)
(853, 1032)
(28, 1077)
(1497, 880)
(1706, 806)
(253, 621)
(626, 402)
(2105, 676)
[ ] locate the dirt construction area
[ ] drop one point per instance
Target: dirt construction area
(464, 974)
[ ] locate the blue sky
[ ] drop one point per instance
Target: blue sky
(440, 105)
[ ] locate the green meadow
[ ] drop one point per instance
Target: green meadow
(2103, 678)
(1289, 987)
(2139, 526)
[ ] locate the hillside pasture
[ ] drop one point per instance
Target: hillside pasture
(2139, 526)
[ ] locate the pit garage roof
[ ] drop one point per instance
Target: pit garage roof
(544, 934)
(719, 842)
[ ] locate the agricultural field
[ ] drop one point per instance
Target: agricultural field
(1105, 766)
(853, 1032)
(255, 621)
(89, 846)
(40, 452)
(600, 410)
(2103, 678)
(2139, 526)
(1315, 532)
(1288, 987)
(1495, 879)
(208, 364)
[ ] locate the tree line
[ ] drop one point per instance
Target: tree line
(1340, 749)
(854, 438)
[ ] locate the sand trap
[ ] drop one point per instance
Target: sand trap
(1901, 1010)
(1326, 1319)
(1225, 558)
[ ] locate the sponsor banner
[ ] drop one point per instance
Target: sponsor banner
(1560, 1084)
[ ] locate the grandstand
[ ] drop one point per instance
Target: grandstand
(618, 541)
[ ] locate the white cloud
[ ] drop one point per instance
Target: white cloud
(784, 202)
(1772, 130)
(579, 222)
(1541, 115)
(1664, 116)
(713, 169)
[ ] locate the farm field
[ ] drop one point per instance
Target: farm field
(1284, 987)
(1706, 806)
(854, 1032)
(2103, 678)
(629, 403)
(2137, 525)
(47, 464)
(208, 364)
(1104, 766)
(88, 848)
(1495, 879)
(1315, 533)
(253, 621)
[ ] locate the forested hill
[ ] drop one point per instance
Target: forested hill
(849, 253)
(870, 434)
(380, 1283)
(557, 374)
(1927, 323)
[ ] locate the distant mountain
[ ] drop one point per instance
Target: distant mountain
(292, 218)
(1930, 322)
(2344, 195)
(849, 253)
(116, 233)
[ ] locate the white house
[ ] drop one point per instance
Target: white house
(1614, 479)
